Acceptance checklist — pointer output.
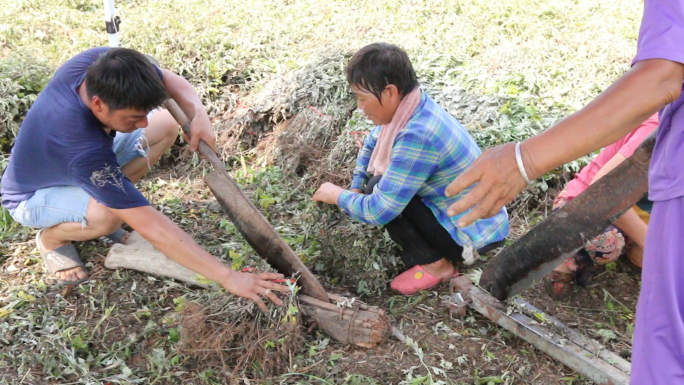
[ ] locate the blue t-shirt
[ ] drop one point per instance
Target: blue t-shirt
(61, 143)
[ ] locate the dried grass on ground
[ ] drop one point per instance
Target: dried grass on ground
(234, 337)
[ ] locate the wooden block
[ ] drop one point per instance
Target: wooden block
(140, 255)
(360, 325)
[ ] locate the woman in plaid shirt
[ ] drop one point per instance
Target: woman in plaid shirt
(415, 150)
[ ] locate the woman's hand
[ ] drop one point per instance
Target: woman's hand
(498, 182)
(328, 193)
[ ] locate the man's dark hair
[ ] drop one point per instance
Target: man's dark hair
(377, 65)
(124, 78)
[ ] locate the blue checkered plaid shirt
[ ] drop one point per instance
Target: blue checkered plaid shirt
(429, 153)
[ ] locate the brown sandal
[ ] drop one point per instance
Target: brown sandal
(559, 285)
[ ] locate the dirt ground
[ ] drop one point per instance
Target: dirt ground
(131, 314)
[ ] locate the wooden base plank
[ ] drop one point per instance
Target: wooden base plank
(592, 346)
(552, 342)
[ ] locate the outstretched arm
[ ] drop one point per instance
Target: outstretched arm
(171, 240)
(648, 87)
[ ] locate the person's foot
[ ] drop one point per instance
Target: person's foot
(124, 239)
(584, 275)
(559, 285)
(634, 257)
(119, 236)
(633, 268)
(69, 275)
(423, 277)
(442, 269)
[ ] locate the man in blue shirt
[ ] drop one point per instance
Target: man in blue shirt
(89, 136)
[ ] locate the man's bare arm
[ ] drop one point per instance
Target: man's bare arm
(185, 95)
(176, 244)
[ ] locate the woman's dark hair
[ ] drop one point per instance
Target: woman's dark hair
(377, 65)
(124, 78)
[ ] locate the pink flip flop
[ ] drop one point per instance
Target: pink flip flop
(413, 280)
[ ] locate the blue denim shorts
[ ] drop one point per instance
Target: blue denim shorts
(60, 204)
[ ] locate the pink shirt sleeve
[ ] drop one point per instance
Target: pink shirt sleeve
(638, 136)
(625, 146)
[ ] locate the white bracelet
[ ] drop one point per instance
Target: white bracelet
(521, 166)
